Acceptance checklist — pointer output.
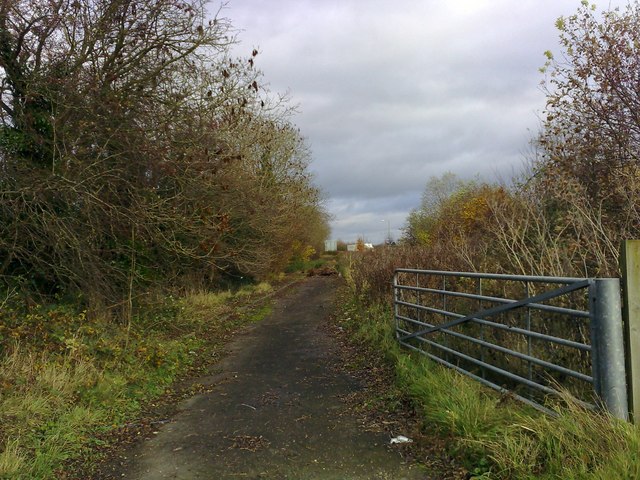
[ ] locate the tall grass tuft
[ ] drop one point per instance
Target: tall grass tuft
(40, 412)
(576, 444)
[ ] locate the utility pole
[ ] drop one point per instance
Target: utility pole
(388, 239)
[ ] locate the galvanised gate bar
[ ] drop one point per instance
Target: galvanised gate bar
(527, 336)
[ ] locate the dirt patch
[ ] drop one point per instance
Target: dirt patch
(324, 271)
(279, 406)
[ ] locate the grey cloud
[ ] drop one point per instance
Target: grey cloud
(392, 93)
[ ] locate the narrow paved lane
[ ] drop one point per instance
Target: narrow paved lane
(274, 410)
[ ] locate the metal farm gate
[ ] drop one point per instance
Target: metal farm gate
(526, 336)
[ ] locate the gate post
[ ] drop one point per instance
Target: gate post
(630, 268)
(608, 346)
(395, 303)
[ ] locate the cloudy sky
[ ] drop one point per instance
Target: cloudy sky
(391, 93)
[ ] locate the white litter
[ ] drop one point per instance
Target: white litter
(400, 439)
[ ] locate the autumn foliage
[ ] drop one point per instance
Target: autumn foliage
(136, 151)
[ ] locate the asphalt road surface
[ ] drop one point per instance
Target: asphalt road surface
(274, 410)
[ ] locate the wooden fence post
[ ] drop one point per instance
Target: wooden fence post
(630, 268)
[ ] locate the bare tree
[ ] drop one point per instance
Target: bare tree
(135, 150)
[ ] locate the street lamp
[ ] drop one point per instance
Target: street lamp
(388, 240)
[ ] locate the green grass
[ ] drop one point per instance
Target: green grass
(300, 265)
(260, 313)
(65, 379)
(494, 436)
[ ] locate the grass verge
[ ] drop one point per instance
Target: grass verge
(493, 435)
(67, 381)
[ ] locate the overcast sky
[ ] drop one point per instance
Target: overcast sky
(391, 93)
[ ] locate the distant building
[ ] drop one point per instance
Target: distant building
(353, 247)
(330, 245)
